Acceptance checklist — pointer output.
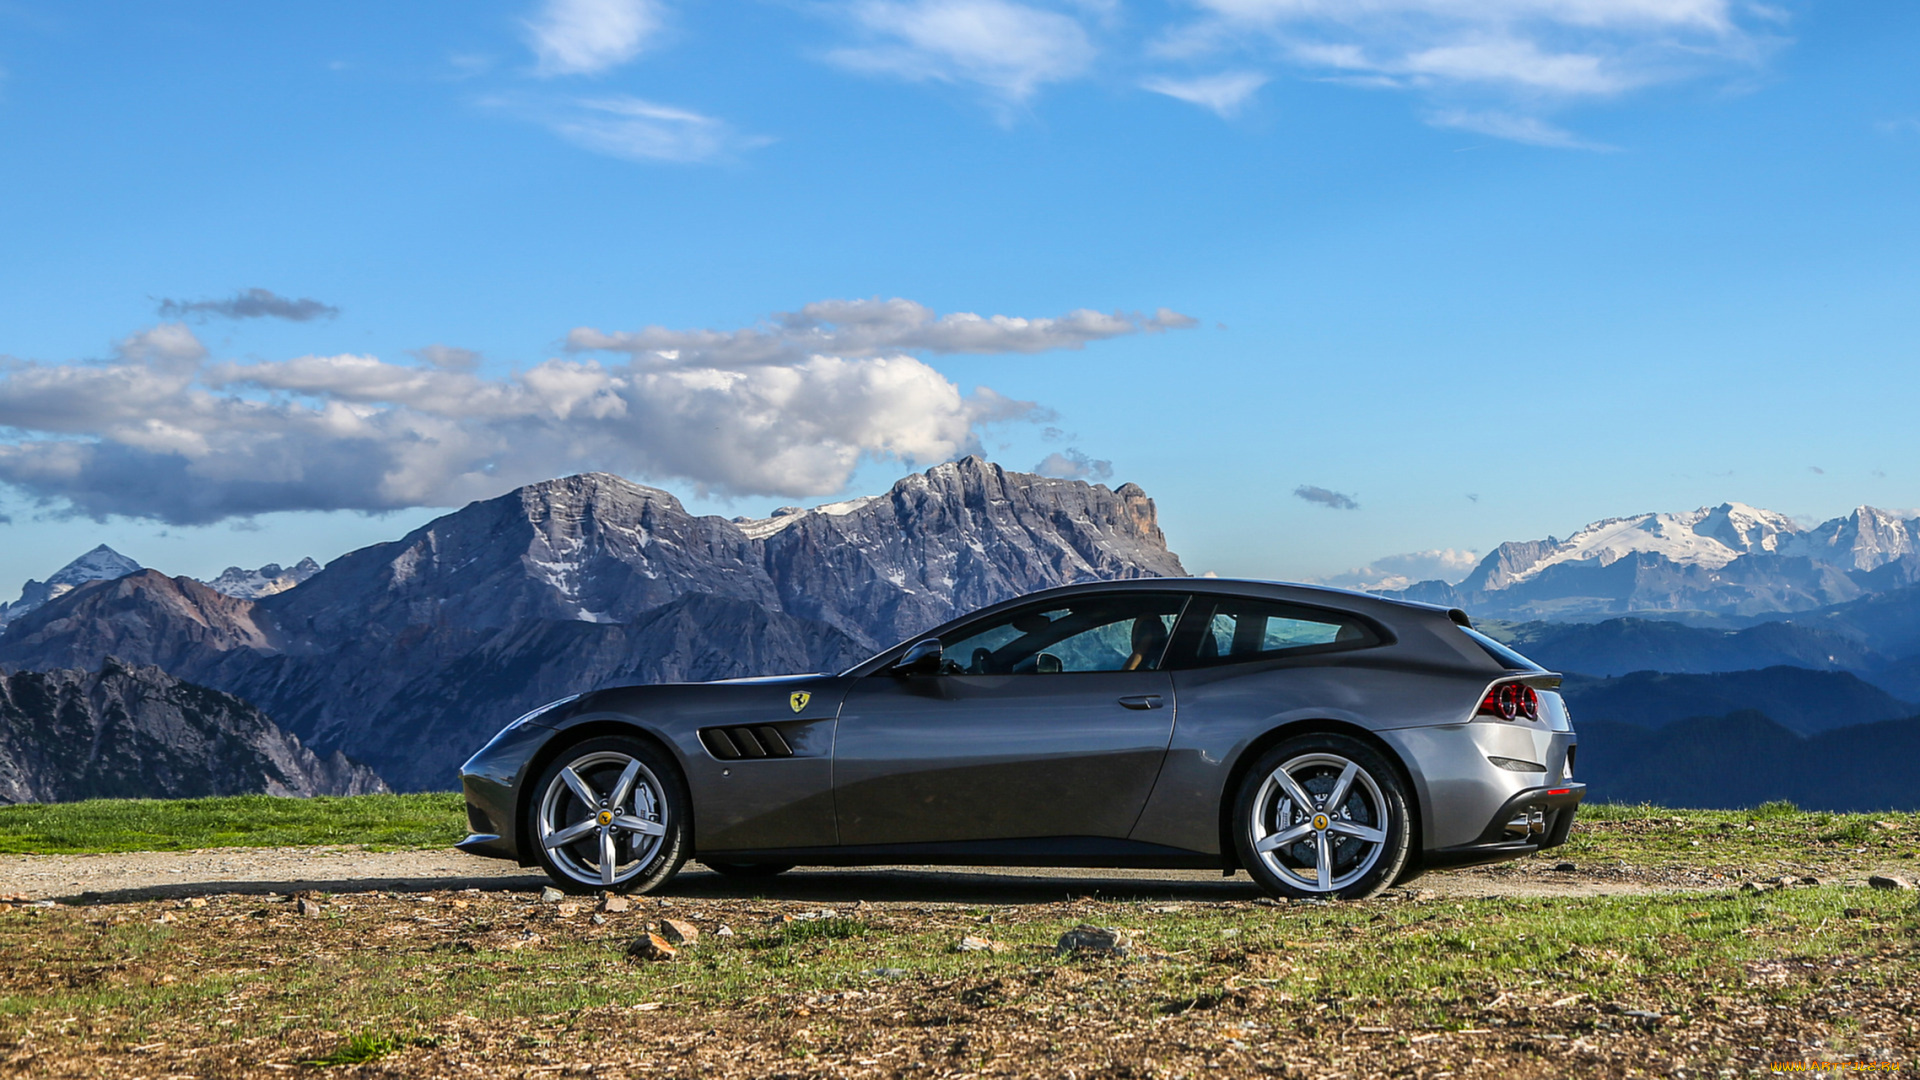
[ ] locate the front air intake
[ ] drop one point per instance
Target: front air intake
(735, 743)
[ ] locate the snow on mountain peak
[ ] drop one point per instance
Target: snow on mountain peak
(266, 581)
(101, 564)
(1711, 536)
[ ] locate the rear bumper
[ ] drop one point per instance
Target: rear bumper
(1532, 820)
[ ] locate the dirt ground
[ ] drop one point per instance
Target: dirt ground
(169, 875)
(267, 962)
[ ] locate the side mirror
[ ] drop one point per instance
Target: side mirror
(921, 658)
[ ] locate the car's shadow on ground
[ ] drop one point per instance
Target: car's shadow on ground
(819, 886)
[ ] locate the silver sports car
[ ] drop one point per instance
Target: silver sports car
(1329, 743)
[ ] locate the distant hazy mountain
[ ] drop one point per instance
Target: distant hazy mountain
(1618, 646)
(1729, 560)
(101, 564)
(1745, 759)
(138, 733)
(1803, 701)
(409, 654)
(266, 581)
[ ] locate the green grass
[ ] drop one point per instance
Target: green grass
(360, 1048)
(113, 825)
(1773, 835)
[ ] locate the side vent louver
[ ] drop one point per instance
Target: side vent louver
(734, 743)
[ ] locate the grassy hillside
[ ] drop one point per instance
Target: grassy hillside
(386, 821)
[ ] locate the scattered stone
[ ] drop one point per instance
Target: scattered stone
(1890, 882)
(551, 895)
(1757, 887)
(309, 909)
(164, 917)
(527, 939)
(1640, 1014)
(887, 973)
(1565, 867)
(1887, 826)
(1093, 940)
(597, 919)
(724, 931)
(970, 943)
(614, 903)
(459, 905)
(679, 932)
(1786, 880)
(1811, 879)
(651, 946)
(196, 901)
(566, 911)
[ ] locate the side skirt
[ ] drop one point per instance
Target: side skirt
(1065, 851)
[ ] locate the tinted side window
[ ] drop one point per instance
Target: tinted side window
(1096, 633)
(1232, 630)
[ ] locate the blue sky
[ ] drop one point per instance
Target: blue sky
(1487, 270)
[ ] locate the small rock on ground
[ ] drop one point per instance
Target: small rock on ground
(614, 903)
(651, 946)
(679, 932)
(550, 895)
(971, 943)
(1889, 881)
(1093, 940)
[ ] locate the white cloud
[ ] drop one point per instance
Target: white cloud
(1450, 565)
(628, 127)
(872, 328)
(159, 430)
(580, 37)
(1525, 129)
(1011, 49)
(1494, 66)
(1073, 464)
(1224, 93)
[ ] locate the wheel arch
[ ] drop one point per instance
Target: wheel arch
(1230, 793)
(594, 727)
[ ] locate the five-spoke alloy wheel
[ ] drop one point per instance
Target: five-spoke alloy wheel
(609, 813)
(1322, 816)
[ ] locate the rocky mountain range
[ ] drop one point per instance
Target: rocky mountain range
(101, 564)
(266, 581)
(105, 564)
(408, 655)
(123, 732)
(1730, 561)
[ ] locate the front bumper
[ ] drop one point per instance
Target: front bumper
(490, 781)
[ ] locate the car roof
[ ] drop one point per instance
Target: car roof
(1383, 609)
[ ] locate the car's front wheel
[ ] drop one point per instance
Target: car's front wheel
(609, 813)
(1322, 816)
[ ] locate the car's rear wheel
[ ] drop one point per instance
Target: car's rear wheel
(1322, 816)
(746, 869)
(609, 813)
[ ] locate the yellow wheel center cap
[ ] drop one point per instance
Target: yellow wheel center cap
(1319, 821)
(606, 817)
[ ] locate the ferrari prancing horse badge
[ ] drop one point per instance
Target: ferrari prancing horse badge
(799, 700)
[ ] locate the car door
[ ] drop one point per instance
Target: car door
(1048, 721)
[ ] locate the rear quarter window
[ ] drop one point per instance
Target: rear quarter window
(1231, 630)
(1502, 655)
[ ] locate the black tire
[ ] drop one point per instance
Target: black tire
(657, 797)
(748, 870)
(1375, 804)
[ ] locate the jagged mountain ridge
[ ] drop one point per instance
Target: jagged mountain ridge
(138, 733)
(101, 564)
(266, 581)
(409, 654)
(1729, 560)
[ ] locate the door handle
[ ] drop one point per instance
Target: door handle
(1141, 701)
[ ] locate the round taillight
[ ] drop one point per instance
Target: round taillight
(1510, 701)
